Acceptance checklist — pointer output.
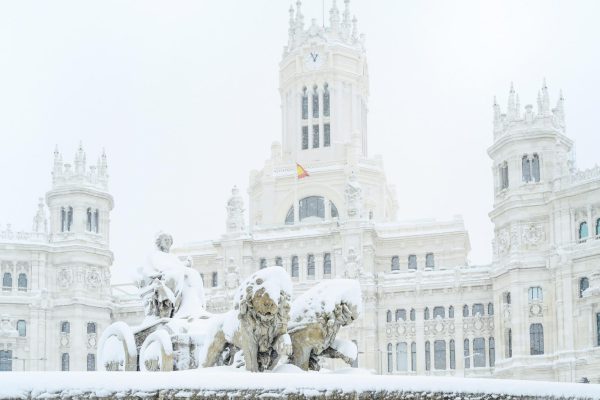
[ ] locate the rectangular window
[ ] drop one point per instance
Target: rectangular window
(215, 279)
(327, 264)
(295, 268)
(452, 355)
(304, 137)
(492, 351)
(310, 266)
(598, 329)
(315, 103)
(6, 360)
(439, 352)
(479, 352)
(315, 136)
(263, 263)
(429, 262)
(326, 135)
(478, 309)
(64, 362)
(279, 261)
(401, 357)
(91, 362)
(304, 105)
(427, 356)
(413, 356)
(535, 293)
(401, 314)
(439, 312)
(536, 339)
(326, 101)
(412, 261)
(467, 356)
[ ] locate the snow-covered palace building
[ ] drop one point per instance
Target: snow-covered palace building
(533, 313)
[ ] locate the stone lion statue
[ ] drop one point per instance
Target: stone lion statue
(316, 319)
(258, 323)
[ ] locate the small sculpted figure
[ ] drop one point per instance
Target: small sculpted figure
(170, 288)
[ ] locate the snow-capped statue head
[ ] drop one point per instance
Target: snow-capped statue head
(164, 241)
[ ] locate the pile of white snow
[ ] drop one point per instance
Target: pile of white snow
(273, 280)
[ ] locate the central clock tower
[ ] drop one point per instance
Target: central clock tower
(324, 88)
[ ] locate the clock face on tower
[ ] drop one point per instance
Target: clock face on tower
(313, 60)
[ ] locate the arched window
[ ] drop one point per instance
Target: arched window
(427, 356)
(279, 261)
(526, 164)
(478, 309)
(310, 266)
(395, 263)
(439, 354)
(315, 143)
(492, 351)
(452, 354)
(490, 308)
(326, 100)
(536, 339)
(503, 175)
(390, 360)
(439, 311)
(412, 261)
(6, 360)
(426, 313)
(429, 261)
(598, 227)
(388, 316)
(583, 231)
(451, 312)
(63, 219)
(304, 103)
(401, 357)
(22, 282)
(467, 356)
(535, 294)
(412, 314)
(263, 263)
(289, 218)
(91, 362)
(91, 327)
(465, 310)
(326, 135)
(295, 268)
(7, 281)
(478, 352)
(65, 327)
(327, 264)
(64, 362)
(535, 167)
(215, 279)
(89, 220)
(401, 314)
(584, 283)
(312, 206)
(509, 343)
(315, 102)
(22, 328)
(96, 225)
(69, 218)
(92, 220)
(506, 297)
(413, 356)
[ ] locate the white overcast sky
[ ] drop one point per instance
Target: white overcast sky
(184, 97)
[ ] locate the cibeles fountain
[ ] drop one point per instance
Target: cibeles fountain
(267, 327)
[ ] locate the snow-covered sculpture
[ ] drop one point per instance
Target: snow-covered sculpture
(317, 316)
(258, 324)
(170, 288)
(235, 211)
(353, 193)
(353, 268)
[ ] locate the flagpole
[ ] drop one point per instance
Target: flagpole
(296, 205)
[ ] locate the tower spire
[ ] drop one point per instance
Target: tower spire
(334, 17)
(346, 23)
(545, 98)
(511, 109)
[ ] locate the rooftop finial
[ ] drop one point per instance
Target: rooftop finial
(354, 28)
(347, 14)
(334, 17)
(511, 109)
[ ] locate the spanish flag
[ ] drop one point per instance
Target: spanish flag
(300, 171)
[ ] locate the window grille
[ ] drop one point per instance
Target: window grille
(401, 357)
(536, 339)
(91, 362)
(64, 362)
(439, 354)
(327, 264)
(295, 268)
(535, 294)
(22, 282)
(390, 361)
(479, 352)
(413, 356)
(492, 351)
(412, 261)
(427, 356)
(22, 328)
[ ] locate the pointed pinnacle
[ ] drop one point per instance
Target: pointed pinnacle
(512, 88)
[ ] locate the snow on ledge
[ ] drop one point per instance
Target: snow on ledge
(202, 382)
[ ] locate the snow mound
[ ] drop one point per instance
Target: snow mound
(288, 369)
(323, 298)
(346, 347)
(273, 280)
